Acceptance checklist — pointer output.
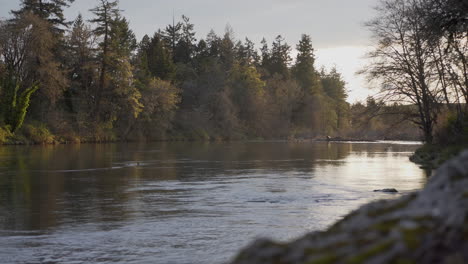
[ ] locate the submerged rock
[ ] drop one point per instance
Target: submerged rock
(388, 190)
(430, 226)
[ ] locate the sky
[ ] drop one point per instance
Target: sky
(335, 26)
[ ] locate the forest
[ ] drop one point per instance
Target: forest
(93, 81)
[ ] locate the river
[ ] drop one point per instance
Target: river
(184, 202)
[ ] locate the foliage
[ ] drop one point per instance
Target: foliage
(5, 134)
(49, 10)
(97, 83)
(376, 120)
(38, 134)
(15, 102)
(420, 57)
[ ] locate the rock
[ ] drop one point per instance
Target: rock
(388, 190)
(429, 226)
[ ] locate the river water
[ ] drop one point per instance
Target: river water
(184, 202)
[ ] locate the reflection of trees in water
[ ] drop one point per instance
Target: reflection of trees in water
(38, 190)
(28, 195)
(244, 156)
(41, 192)
(338, 151)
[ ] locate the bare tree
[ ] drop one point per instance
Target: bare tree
(401, 61)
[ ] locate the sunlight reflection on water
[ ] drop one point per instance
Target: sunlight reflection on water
(184, 203)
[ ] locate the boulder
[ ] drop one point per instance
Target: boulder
(429, 226)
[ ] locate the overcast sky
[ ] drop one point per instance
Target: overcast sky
(336, 26)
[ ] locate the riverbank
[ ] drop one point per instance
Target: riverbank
(41, 135)
(432, 156)
(430, 226)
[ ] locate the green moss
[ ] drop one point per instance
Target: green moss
(391, 208)
(328, 250)
(325, 260)
(337, 245)
(412, 237)
(385, 226)
(403, 261)
(371, 252)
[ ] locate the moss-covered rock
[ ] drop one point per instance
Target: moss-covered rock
(429, 226)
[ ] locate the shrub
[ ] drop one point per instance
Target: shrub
(38, 134)
(5, 134)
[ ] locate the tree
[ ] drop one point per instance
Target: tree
(246, 53)
(309, 80)
(401, 60)
(446, 27)
(247, 95)
(226, 48)
(51, 10)
(213, 42)
(81, 67)
(304, 71)
(27, 50)
(335, 89)
(185, 46)
(279, 58)
(117, 98)
(122, 97)
(15, 104)
(159, 59)
(160, 100)
(282, 97)
(105, 13)
(171, 36)
(18, 40)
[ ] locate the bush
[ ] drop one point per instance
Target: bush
(38, 134)
(5, 134)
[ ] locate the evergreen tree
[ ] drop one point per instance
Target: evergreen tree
(246, 53)
(123, 99)
(307, 77)
(304, 71)
(333, 85)
(214, 44)
(159, 61)
(265, 53)
(185, 46)
(50, 10)
(227, 52)
(171, 35)
(141, 70)
(81, 67)
(105, 13)
(279, 57)
(335, 88)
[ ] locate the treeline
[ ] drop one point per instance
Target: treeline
(421, 58)
(93, 81)
(377, 120)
